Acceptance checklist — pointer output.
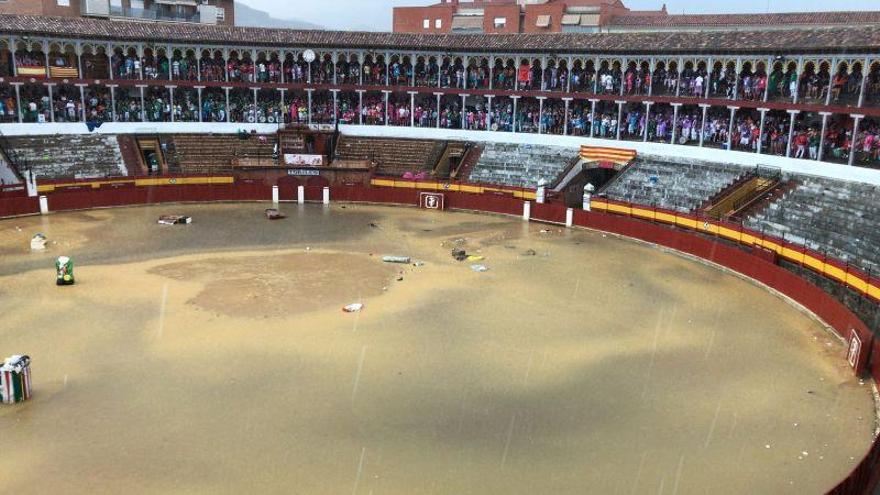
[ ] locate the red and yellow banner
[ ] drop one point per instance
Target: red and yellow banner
(619, 156)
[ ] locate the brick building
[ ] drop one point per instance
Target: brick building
(195, 11)
(590, 16)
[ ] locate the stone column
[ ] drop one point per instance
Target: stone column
(793, 114)
(730, 127)
(171, 101)
(199, 91)
(619, 117)
(855, 136)
(515, 116)
(463, 112)
(52, 102)
(831, 71)
(675, 107)
(387, 93)
(489, 113)
(438, 95)
(144, 105)
(360, 93)
(593, 118)
(82, 102)
(228, 110)
(703, 124)
(647, 120)
(822, 136)
(567, 102)
(866, 71)
(19, 110)
(758, 149)
(412, 106)
(541, 112)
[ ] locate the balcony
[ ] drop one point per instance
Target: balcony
(157, 13)
(158, 10)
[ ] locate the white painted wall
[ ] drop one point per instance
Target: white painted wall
(664, 151)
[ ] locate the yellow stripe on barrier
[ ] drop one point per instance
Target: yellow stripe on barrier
(145, 182)
(442, 186)
(831, 271)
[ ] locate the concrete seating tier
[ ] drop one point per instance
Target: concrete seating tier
(393, 157)
(209, 153)
(824, 214)
(674, 186)
(69, 156)
(521, 165)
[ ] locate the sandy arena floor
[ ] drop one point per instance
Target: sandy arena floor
(214, 358)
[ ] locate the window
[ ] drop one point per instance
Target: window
(221, 14)
(438, 23)
(64, 3)
(500, 22)
(426, 24)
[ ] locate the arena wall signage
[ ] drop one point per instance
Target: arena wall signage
(302, 160)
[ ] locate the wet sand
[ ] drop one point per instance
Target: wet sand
(215, 358)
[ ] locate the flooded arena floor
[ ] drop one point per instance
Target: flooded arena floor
(214, 358)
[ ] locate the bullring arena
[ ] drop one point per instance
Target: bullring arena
(534, 306)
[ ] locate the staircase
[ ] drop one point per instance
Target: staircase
(750, 187)
(468, 162)
(450, 159)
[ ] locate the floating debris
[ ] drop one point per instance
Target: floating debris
(38, 242)
(353, 308)
(479, 268)
(64, 270)
(174, 220)
(403, 260)
(274, 214)
(459, 254)
(475, 258)
(530, 252)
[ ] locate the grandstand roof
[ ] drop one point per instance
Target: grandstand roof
(828, 40)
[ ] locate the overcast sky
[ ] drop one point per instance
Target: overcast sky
(375, 15)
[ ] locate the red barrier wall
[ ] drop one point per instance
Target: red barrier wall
(21, 205)
(756, 266)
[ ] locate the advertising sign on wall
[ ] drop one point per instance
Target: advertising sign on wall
(297, 160)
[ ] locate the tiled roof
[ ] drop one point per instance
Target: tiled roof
(796, 18)
(836, 40)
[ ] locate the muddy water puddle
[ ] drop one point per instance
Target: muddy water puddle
(216, 358)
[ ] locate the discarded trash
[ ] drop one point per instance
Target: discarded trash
(64, 270)
(419, 264)
(475, 258)
(374, 225)
(353, 308)
(530, 252)
(38, 242)
(403, 260)
(459, 254)
(274, 214)
(15, 379)
(174, 220)
(479, 268)
(545, 231)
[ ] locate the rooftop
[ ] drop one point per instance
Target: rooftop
(712, 20)
(838, 39)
